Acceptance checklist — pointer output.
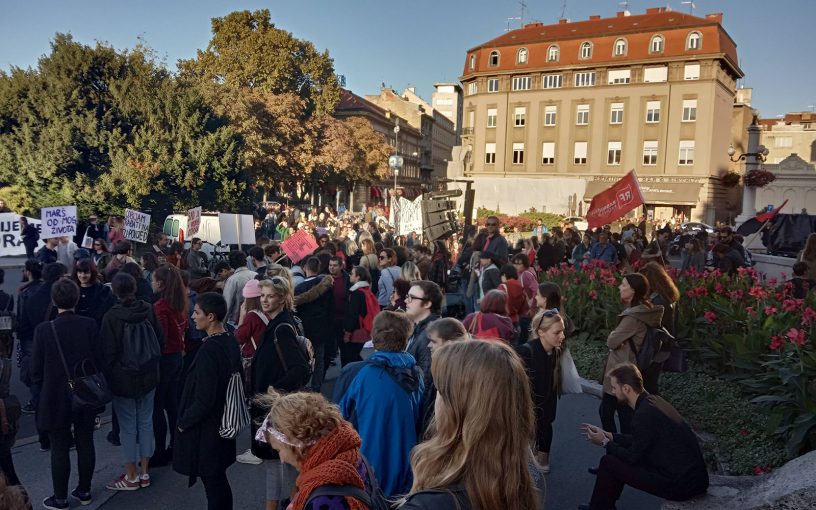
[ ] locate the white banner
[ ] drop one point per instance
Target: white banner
(193, 221)
(58, 221)
(410, 216)
(10, 241)
(137, 224)
(236, 228)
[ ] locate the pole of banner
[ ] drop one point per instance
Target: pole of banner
(238, 229)
(748, 240)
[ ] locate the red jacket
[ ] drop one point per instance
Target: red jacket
(493, 326)
(516, 301)
(251, 329)
(173, 324)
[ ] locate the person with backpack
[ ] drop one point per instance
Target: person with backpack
(358, 319)
(132, 343)
(624, 341)
(171, 312)
(10, 413)
(199, 450)
(280, 363)
(310, 434)
(317, 316)
(68, 343)
(666, 294)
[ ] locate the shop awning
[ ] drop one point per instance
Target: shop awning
(668, 193)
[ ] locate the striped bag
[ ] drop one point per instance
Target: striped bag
(236, 414)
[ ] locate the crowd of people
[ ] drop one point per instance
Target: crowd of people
(454, 408)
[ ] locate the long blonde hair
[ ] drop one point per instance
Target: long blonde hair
(410, 272)
(544, 320)
(281, 286)
(482, 434)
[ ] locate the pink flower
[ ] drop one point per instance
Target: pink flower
(770, 310)
(791, 305)
(808, 316)
(777, 342)
(593, 294)
(758, 292)
(772, 282)
(710, 316)
(719, 289)
(750, 310)
(736, 295)
(797, 336)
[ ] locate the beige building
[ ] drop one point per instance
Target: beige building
(795, 133)
(588, 101)
(795, 182)
(447, 100)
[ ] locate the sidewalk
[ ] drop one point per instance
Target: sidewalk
(12, 261)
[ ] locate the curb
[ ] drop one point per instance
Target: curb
(592, 388)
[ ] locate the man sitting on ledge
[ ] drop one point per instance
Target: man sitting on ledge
(661, 456)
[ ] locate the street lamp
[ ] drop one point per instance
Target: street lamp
(761, 154)
(395, 161)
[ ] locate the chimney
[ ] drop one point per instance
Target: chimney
(716, 17)
(653, 10)
(619, 14)
(595, 16)
(563, 21)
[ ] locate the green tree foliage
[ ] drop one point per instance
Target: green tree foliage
(107, 130)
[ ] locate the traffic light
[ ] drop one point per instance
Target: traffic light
(439, 218)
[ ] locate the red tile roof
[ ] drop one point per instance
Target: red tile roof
(351, 101)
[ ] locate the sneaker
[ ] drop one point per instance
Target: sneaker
(52, 503)
(84, 498)
(29, 409)
(144, 481)
(248, 458)
(114, 439)
(45, 447)
(123, 484)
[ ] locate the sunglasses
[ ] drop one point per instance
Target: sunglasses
(546, 314)
(382, 257)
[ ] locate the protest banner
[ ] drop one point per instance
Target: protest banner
(236, 228)
(137, 225)
(10, 241)
(58, 221)
(193, 220)
(614, 202)
(299, 245)
(410, 216)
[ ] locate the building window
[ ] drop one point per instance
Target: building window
(689, 110)
(548, 153)
(586, 50)
(620, 48)
(580, 153)
(692, 72)
(655, 74)
(518, 116)
(472, 62)
(613, 153)
(585, 79)
(472, 89)
(650, 152)
(550, 113)
(471, 119)
(491, 117)
(493, 85)
(616, 113)
(686, 152)
(551, 81)
(490, 153)
(619, 76)
(444, 102)
(518, 153)
(582, 115)
(521, 82)
(521, 57)
(552, 53)
(656, 46)
(652, 112)
(694, 40)
(494, 59)
(783, 141)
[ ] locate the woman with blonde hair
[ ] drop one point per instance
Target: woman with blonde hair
(310, 434)
(410, 272)
(473, 460)
(369, 258)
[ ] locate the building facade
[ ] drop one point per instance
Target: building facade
(447, 100)
(589, 101)
(795, 133)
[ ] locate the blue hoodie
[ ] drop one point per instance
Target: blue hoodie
(381, 398)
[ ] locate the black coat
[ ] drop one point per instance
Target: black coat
(36, 308)
(454, 496)
(95, 301)
(199, 450)
(267, 370)
(30, 237)
(78, 338)
(317, 315)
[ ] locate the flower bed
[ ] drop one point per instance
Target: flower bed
(752, 384)
(523, 222)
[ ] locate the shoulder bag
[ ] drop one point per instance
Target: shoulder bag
(89, 391)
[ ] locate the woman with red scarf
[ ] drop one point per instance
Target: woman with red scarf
(310, 434)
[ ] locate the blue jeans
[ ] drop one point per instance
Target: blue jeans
(135, 425)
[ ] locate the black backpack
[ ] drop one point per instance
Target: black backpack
(372, 497)
(656, 340)
(141, 350)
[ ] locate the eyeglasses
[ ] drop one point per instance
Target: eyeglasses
(411, 297)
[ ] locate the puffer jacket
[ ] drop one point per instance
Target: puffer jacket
(634, 321)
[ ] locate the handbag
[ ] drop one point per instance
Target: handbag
(87, 241)
(89, 392)
(476, 330)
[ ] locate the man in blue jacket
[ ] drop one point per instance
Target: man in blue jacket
(381, 398)
(604, 250)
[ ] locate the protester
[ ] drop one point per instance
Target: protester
(47, 254)
(95, 299)
(115, 234)
(439, 266)
(199, 449)
(317, 316)
(808, 256)
(144, 289)
(548, 296)
(800, 285)
(548, 255)
(726, 259)
(490, 322)
(399, 296)
(423, 305)
(29, 235)
(120, 256)
(65, 251)
(358, 316)
(253, 319)
(529, 282)
(489, 276)
(197, 260)
(627, 337)
(389, 273)
(439, 332)
(234, 286)
(694, 256)
(132, 341)
(172, 313)
(69, 340)
(582, 253)
(494, 242)
(665, 294)
(100, 255)
(542, 358)
(410, 272)
(381, 398)
(517, 305)
(482, 387)
(603, 250)
(661, 456)
(726, 236)
(340, 292)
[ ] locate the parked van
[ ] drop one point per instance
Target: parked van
(175, 226)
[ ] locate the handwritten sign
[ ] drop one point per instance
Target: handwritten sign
(58, 221)
(410, 216)
(193, 220)
(10, 241)
(236, 228)
(137, 225)
(301, 244)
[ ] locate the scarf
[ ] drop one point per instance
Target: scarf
(332, 460)
(359, 285)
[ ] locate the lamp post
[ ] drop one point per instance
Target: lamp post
(395, 163)
(755, 155)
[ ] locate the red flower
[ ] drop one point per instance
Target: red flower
(791, 305)
(719, 289)
(770, 310)
(710, 316)
(797, 336)
(777, 342)
(750, 310)
(808, 316)
(772, 282)
(736, 295)
(758, 292)
(744, 432)
(593, 294)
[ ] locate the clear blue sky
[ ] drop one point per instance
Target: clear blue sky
(410, 43)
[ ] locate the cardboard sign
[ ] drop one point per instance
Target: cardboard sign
(236, 228)
(301, 244)
(58, 221)
(193, 220)
(137, 225)
(613, 203)
(410, 216)
(10, 241)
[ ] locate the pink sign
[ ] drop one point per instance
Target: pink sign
(301, 244)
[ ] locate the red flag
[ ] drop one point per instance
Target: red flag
(762, 218)
(611, 204)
